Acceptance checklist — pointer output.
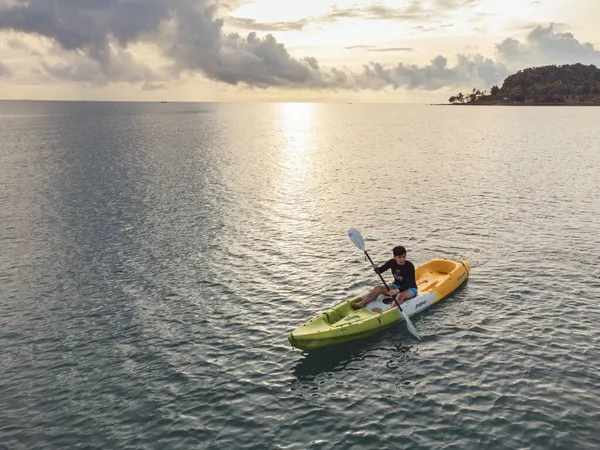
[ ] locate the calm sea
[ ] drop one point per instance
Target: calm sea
(154, 257)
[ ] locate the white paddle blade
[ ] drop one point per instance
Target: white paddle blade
(410, 326)
(357, 238)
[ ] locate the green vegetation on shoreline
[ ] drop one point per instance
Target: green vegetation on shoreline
(569, 84)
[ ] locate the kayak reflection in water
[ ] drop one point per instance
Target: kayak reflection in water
(404, 286)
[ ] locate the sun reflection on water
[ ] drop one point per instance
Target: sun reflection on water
(297, 137)
(295, 199)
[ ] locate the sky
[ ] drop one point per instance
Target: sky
(406, 51)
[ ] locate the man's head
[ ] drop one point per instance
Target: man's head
(399, 254)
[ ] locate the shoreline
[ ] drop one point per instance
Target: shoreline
(514, 104)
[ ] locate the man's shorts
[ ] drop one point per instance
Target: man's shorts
(413, 291)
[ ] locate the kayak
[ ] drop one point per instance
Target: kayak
(436, 279)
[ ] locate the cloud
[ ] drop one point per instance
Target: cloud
(5, 71)
(392, 49)
(266, 62)
(376, 12)
(528, 26)
(117, 65)
(153, 86)
(374, 48)
(86, 24)
(469, 70)
(90, 31)
(253, 24)
(360, 46)
(17, 44)
(251, 60)
(544, 45)
(415, 10)
(94, 39)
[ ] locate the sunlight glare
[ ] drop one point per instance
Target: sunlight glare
(297, 141)
(296, 121)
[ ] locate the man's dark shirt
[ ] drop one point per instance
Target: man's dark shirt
(404, 275)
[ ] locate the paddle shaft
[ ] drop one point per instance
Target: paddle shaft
(372, 263)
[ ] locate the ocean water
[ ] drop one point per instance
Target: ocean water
(154, 257)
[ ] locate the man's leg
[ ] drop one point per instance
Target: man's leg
(371, 296)
(403, 296)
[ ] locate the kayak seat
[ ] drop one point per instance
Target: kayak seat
(429, 286)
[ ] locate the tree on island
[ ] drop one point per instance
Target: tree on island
(571, 84)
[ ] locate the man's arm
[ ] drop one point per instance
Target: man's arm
(383, 268)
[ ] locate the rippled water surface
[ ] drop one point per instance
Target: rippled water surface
(154, 257)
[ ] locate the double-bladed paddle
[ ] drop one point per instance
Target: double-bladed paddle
(358, 240)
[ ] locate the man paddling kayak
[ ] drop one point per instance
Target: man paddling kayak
(404, 286)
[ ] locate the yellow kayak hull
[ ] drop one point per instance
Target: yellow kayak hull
(436, 279)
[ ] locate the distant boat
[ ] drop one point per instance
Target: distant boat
(163, 102)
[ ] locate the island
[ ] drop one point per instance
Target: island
(568, 84)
